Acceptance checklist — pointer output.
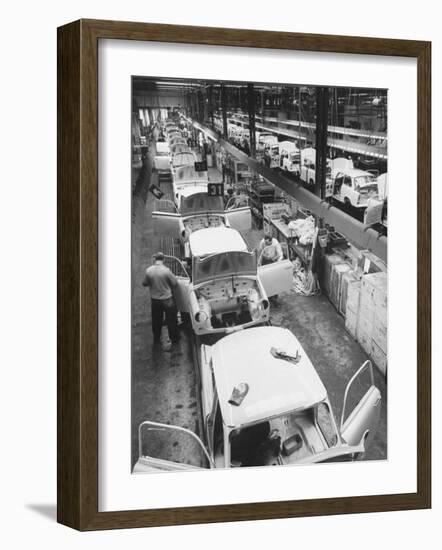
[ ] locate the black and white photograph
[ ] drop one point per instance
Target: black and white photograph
(259, 274)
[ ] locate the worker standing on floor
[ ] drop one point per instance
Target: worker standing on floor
(270, 250)
(161, 282)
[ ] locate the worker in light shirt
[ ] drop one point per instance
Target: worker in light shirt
(269, 250)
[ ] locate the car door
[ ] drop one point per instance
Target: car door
(337, 187)
(349, 191)
(167, 224)
(362, 421)
(238, 217)
(169, 448)
(181, 291)
(277, 277)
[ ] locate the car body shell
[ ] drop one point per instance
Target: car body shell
(226, 290)
(283, 416)
(355, 187)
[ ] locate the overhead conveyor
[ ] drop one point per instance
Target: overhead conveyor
(365, 134)
(355, 231)
(356, 147)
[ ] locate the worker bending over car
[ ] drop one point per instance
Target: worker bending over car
(270, 250)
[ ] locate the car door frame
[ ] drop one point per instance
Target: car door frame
(283, 268)
(168, 224)
(239, 218)
(171, 464)
(371, 398)
(181, 291)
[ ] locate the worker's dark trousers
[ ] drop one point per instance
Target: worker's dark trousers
(159, 309)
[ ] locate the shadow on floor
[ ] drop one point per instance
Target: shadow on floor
(49, 511)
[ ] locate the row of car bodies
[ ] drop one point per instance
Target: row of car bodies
(344, 184)
(262, 401)
(220, 284)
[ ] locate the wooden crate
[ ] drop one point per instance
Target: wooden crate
(325, 276)
(379, 358)
(348, 281)
(351, 322)
(353, 296)
(380, 335)
(337, 271)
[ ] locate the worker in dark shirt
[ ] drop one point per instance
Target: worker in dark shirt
(161, 282)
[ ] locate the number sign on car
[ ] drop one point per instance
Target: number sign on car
(215, 189)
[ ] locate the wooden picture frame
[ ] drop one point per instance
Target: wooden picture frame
(78, 274)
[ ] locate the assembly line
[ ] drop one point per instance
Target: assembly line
(258, 328)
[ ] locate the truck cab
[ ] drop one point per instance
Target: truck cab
(264, 404)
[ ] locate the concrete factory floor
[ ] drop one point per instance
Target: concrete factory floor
(164, 383)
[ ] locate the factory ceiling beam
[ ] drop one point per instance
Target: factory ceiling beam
(356, 232)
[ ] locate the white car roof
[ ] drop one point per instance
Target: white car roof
(187, 174)
(288, 146)
(183, 158)
(276, 386)
(308, 152)
(216, 240)
(162, 147)
(354, 172)
(190, 190)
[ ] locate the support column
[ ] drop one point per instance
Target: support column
(195, 105)
(321, 140)
(224, 110)
(252, 125)
(210, 104)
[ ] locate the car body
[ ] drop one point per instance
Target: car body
(382, 181)
(174, 136)
(178, 144)
(224, 289)
(273, 153)
(289, 157)
(307, 171)
(340, 164)
(187, 176)
(265, 141)
(281, 413)
(161, 160)
(182, 156)
(354, 187)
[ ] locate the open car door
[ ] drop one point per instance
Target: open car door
(238, 213)
(277, 277)
(239, 218)
(167, 224)
(168, 448)
(361, 423)
(181, 291)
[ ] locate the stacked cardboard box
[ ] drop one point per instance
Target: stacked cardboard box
(372, 318)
